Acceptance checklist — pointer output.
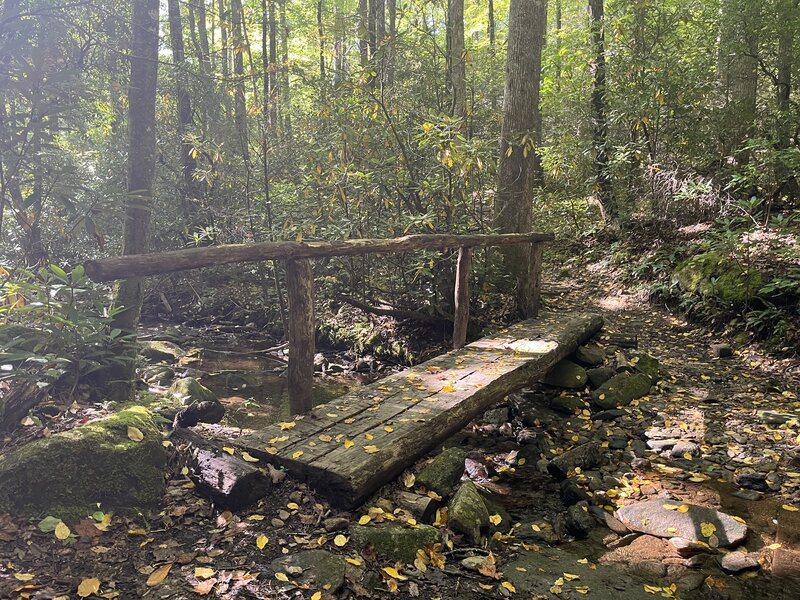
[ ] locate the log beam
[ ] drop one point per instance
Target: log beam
(143, 265)
(300, 288)
(461, 320)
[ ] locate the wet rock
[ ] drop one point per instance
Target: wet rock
(659, 445)
(474, 563)
(599, 376)
(642, 557)
(320, 362)
(687, 548)
(189, 390)
(67, 474)
(721, 350)
(394, 541)
(423, 508)
(579, 520)
(622, 541)
(318, 569)
(572, 494)
(752, 481)
(443, 473)
(684, 447)
(590, 356)
(750, 495)
(615, 524)
(772, 417)
(567, 404)
(160, 351)
(566, 374)
(468, 512)
(609, 415)
(736, 562)
(586, 456)
(158, 374)
(621, 390)
(652, 518)
(335, 524)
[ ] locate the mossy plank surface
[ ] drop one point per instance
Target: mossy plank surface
(348, 448)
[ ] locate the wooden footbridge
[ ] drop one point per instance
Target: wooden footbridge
(351, 446)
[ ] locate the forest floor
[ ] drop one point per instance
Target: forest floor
(710, 405)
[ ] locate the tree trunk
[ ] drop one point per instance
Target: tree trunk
(597, 70)
(141, 173)
(185, 122)
(239, 101)
(456, 65)
(787, 22)
(518, 163)
(224, 25)
(391, 47)
(286, 92)
(274, 84)
(738, 73)
(491, 26)
(321, 42)
(363, 32)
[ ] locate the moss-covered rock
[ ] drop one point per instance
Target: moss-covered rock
(711, 274)
(394, 541)
(160, 350)
(621, 390)
(67, 474)
(318, 569)
(190, 390)
(566, 374)
(644, 363)
(468, 512)
(444, 472)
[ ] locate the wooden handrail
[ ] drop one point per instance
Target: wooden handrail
(300, 281)
(143, 265)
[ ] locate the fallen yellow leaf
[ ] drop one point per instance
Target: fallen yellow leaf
(349, 443)
(495, 519)
(229, 450)
(62, 531)
(286, 425)
(316, 596)
(158, 575)
(298, 454)
(261, 541)
(371, 449)
(392, 572)
(135, 434)
(790, 508)
(203, 572)
(340, 540)
(509, 586)
(248, 457)
(89, 586)
(281, 576)
(364, 519)
(23, 576)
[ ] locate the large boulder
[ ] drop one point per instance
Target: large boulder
(621, 390)
(394, 541)
(189, 390)
(668, 519)
(443, 473)
(711, 274)
(68, 474)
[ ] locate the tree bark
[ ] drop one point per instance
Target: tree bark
(456, 64)
(787, 22)
(461, 295)
(141, 173)
(518, 164)
(239, 101)
(300, 287)
(194, 258)
(321, 43)
(597, 70)
(185, 120)
(363, 32)
(224, 25)
(491, 26)
(738, 73)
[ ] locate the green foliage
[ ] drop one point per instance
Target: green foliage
(56, 327)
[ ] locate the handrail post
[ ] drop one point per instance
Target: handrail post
(533, 299)
(300, 288)
(461, 293)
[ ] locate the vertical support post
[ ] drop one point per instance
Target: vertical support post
(463, 268)
(300, 288)
(535, 280)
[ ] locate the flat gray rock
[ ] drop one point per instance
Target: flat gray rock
(653, 518)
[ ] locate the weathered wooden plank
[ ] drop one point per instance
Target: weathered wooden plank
(142, 265)
(421, 407)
